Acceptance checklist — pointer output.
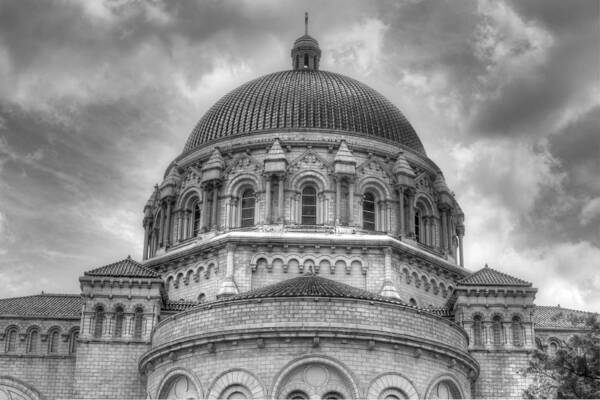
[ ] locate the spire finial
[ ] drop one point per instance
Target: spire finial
(306, 23)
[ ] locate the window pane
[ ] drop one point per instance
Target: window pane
(309, 206)
(248, 206)
(369, 212)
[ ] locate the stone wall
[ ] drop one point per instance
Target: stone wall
(501, 374)
(49, 374)
(243, 362)
(109, 370)
(324, 313)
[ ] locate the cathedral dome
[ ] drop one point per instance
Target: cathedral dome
(305, 100)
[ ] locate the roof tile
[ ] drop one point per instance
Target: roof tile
(490, 277)
(126, 268)
(42, 305)
(559, 318)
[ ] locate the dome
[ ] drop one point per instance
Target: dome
(304, 100)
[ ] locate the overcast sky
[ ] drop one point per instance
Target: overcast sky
(96, 98)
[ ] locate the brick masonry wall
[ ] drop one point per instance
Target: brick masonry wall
(49, 374)
(109, 370)
(306, 312)
(267, 363)
(500, 374)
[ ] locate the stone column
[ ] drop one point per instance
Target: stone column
(167, 229)
(146, 237)
(388, 210)
(215, 208)
(401, 222)
(229, 288)
(351, 203)
(388, 289)
(268, 200)
(444, 235)
(338, 199)
(411, 213)
(461, 232)
(204, 220)
(449, 232)
(280, 201)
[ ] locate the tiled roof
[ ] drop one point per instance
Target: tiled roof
(558, 317)
(177, 306)
(490, 277)
(42, 305)
(310, 285)
(126, 268)
(304, 100)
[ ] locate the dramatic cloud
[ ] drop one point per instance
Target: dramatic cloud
(98, 97)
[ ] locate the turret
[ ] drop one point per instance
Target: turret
(306, 53)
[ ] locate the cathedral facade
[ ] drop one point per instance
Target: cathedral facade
(302, 246)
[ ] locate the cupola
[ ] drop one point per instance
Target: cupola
(306, 53)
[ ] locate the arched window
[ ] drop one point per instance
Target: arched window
(497, 330)
(201, 297)
(196, 219)
(73, 342)
(119, 321)
(477, 331)
(369, 211)
(553, 348)
(309, 206)
(445, 390)
(333, 396)
(138, 323)
(98, 321)
(297, 395)
(11, 340)
(33, 341)
(412, 302)
(305, 60)
(248, 206)
(53, 342)
(418, 226)
(297, 61)
(517, 331)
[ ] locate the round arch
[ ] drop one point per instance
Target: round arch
(375, 184)
(279, 380)
(388, 381)
(456, 389)
(171, 376)
(12, 385)
(236, 377)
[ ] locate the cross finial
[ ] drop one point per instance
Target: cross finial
(306, 23)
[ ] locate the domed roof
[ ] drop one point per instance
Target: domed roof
(304, 100)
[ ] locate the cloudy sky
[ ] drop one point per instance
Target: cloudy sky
(96, 98)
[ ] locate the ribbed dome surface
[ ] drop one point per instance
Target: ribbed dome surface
(310, 100)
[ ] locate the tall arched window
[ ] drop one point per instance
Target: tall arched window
(98, 321)
(53, 342)
(11, 340)
(418, 226)
(196, 219)
(248, 206)
(33, 341)
(497, 330)
(138, 323)
(73, 342)
(119, 317)
(477, 331)
(306, 61)
(517, 331)
(369, 211)
(309, 206)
